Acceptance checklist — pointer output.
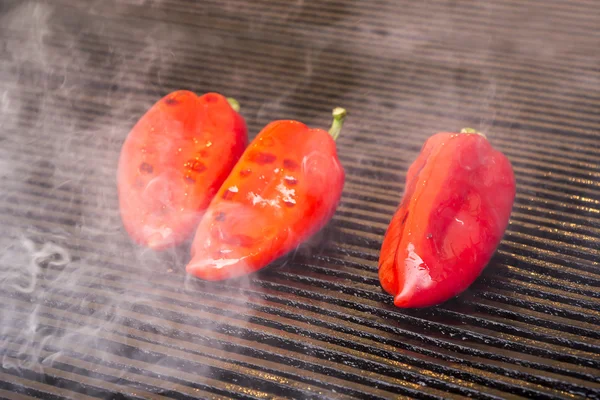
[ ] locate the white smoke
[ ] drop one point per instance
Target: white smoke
(73, 286)
(73, 289)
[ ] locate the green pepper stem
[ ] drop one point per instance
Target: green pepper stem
(234, 104)
(472, 131)
(339, 114)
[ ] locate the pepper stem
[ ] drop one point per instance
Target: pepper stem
(339, 114)
(234, 104)
(472, 131)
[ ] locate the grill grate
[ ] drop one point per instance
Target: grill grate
(85, 314)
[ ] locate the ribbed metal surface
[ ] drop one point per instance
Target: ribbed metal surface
(85, 314)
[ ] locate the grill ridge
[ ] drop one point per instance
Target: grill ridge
(288, 346)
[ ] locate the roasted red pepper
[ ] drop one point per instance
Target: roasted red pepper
(173, 162)
(285, 187)
(456, 206)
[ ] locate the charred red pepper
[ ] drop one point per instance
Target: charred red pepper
(456, 206)
(173, 162)
(285, 187)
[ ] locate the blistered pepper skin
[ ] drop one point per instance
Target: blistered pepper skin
(285, 187)
(173, 162)
(456, 206)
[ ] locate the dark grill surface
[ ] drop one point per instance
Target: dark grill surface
(86, 314)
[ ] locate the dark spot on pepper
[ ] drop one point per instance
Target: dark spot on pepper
(196, 165)
(290, 203)
(210, 98)
(404, 218)
(290, 180)
(220, 217)
(189, 179)
(290, 164)
(429, 236)
(146, 168)
(228, 195)
(245, 172)
(171, 101)
(263, 158)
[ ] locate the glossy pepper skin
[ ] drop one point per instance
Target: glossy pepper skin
(285, 187)
(455, 209)
(173, 162)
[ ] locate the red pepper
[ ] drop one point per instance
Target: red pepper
(173, 162)
(285, 187)
(455, 209)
